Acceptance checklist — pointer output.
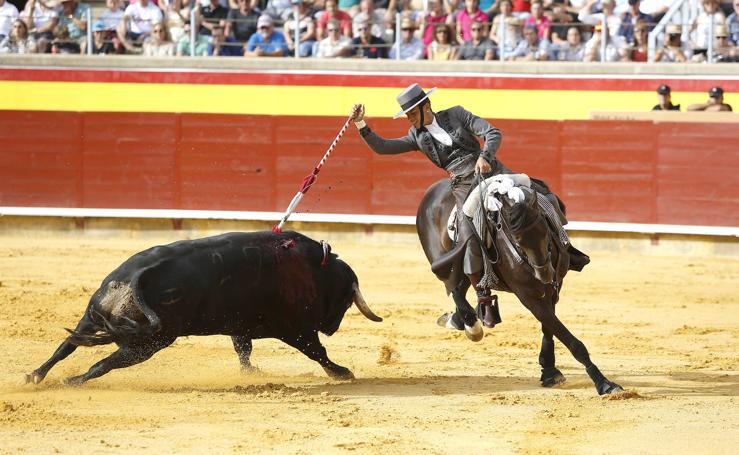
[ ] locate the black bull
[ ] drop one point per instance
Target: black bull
(536, 281)
(246, 285)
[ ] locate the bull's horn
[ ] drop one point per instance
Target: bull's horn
(362, 305)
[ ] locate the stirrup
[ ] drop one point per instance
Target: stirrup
(488, 310)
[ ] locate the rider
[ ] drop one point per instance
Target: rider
(449, 139)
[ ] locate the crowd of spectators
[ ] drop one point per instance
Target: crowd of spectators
(559, 30)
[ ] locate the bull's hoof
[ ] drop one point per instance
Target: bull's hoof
(475, 332)
(448, 321)
(551, 377)
(34, 378)
(73, 381)
(607, 388)
(249, 369)
(340, 373)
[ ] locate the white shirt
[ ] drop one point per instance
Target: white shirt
(143, 18)
(8, 14)
(438, 133)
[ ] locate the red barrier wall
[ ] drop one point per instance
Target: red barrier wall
(642, 172)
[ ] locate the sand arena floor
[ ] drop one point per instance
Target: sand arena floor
(665, 328)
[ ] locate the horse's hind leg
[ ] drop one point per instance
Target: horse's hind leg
(125, 356)
(545, 314)
(550, 375)
(243, 346)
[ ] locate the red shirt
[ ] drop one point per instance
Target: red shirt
(345, 21)
(521, 6)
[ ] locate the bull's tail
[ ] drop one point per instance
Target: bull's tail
(88, 339)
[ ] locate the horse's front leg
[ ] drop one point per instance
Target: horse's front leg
(550, 374)
(472, 325)
(544, 312)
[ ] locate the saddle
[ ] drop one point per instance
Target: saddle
(510, 185)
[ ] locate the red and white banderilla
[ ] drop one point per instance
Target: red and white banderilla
(309, 180)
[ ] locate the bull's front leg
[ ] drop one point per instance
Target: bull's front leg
(311, 346)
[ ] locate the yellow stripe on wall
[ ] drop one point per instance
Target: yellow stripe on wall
(319, 101)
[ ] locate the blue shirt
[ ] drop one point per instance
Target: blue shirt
(276, 41)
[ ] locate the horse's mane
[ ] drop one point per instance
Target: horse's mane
(522, 215)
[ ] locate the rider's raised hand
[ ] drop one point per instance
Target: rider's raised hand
(357, 113)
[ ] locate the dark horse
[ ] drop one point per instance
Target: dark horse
(536, 280)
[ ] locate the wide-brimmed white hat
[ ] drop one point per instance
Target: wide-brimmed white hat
(411, 97)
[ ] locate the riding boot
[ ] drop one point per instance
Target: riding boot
(487, 303)
(578, 259)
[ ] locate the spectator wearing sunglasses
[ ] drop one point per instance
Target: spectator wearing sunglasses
(411, 48)
(266, 42)
(335, 44)
(366, 45)
(159, 44)
(479, 47)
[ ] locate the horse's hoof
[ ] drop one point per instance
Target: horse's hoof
(607, 388)
(551, 377)
(475, 332)
(34, 378)
(448, 321)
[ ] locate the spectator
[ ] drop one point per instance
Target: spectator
(471, 13)
(210, 13)
(435, 16)
(700, 26)
(18, 41)
(613, 22)
(637, 49)
(351, 6)
(41, 17)
(138, 20)
(101, 43)
(366, 45)
(306, 26)
(715, 102)
(513, 37)
(278, 9)
(334, 13)
(222, 45)
(411, 48)
(266, 42)
(479, 47)
(176, 14)
(531, 48)
(506, 13)
(664, 95)
(201, 44)
(560, 24)
(521, 8)
(241, 22)
(441, 48)
(655, 8)
(573, 50)
(159, 43)
(368, 14)
(8, 14)
(335, 44)
(538, 20)
(112, 16)
(732, 23)
(673, 50)
(74, 17)
(62, 43)
(723, 50)
(593, 46)
(630, 18)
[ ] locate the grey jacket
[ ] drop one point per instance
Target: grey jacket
(463, 127)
